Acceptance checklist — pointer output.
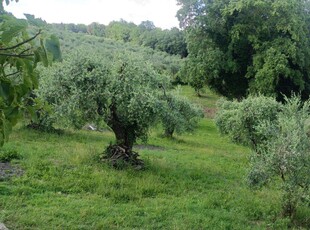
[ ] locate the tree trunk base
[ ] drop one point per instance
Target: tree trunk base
(289, 209)
(120, 157)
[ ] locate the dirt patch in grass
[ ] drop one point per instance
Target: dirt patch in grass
(209, 112)
(8, 170)
(150, 147)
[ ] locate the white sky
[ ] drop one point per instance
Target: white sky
(161, 12)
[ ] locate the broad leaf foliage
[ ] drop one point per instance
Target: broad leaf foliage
(248, 46)
(20, 52)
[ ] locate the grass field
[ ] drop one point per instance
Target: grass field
(194, 181)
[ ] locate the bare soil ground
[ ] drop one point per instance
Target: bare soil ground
(209, 112)
(8, 170)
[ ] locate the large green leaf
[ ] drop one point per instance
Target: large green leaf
(5, 89)
(38, 22)
(52, 46)
(41, 55)
(13, 115)
(12, 28)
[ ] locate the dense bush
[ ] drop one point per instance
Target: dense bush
(279, 137)
(248, 46)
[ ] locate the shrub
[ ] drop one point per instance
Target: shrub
(287, 154)
(279, 137)
(241, 120)
(179, 115)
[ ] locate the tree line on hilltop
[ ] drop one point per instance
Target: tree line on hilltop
(145, 34)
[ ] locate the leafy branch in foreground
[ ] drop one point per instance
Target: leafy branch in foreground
(19, 56)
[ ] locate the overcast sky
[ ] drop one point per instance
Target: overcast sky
(161, 12)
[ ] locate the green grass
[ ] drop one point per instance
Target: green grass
(194, 181)
(207, 100)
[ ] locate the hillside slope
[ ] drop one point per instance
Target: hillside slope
(195, 181)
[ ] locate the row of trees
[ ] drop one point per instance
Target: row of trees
(248, 46)
(145, 34)
(161, 61)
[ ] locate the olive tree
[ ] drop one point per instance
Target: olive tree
(124, 93)
(179, 115)
(241, 120)
(279, 136)
(286, 155)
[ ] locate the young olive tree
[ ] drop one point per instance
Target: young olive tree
(179, 115)
(286, 154)
(279, 136)
(241, 120)
(20, 53)
(124, 93)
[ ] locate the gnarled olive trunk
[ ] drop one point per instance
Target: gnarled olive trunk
(124, 134)
(121, 154)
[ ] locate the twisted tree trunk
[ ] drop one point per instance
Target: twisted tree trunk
(121, 154)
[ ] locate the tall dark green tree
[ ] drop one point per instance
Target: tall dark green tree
(249, 46)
